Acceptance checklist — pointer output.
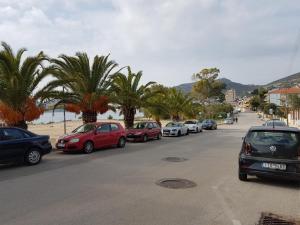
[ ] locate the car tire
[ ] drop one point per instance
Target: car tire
(145, 138)
(159, 136)
(179, 133)
(187, 132)
(243, 176)
(122, 142)
(197, 130)
(88, 147)
(33, 157)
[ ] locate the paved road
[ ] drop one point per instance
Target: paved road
(114, 187)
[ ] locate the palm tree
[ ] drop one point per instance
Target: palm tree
(19, 81)
(129, 95)
(177, 103)
(156, 107)
(87, 87)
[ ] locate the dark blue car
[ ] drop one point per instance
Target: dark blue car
(209, 124)
(18, 145)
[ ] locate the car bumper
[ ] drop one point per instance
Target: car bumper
(175, 133)
(134, 137)
(253, 166)
(47, 149)
(69, 148)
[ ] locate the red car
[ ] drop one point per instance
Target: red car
(92, 136)
(143, 131)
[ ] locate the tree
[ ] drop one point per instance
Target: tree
(254, 103)
(269, 106)
(207, 85)
(156, 107)
(20, 98)
(177, 103)
(87, 86)
(129, 95)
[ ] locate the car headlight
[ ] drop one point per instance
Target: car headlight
(74, 140)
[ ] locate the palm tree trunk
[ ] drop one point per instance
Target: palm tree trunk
(89, 117)
(129, 117)
(157, 119)
(21, 124)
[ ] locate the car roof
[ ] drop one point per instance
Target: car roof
(276, 128)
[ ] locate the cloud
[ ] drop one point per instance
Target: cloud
(169, 40)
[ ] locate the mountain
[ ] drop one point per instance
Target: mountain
(241, 89)
(291, 80)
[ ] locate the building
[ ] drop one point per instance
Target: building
(230, 96)
(280, 97)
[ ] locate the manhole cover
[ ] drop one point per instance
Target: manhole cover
(176, 183)
(174, 159)
(272, 219)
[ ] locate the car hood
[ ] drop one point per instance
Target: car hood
(71, 136)
(170, 128)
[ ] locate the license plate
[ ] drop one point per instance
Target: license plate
(60, 145)
(274, 166)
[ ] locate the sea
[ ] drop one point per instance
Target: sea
(58, 116)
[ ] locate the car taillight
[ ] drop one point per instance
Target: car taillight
(247, 148)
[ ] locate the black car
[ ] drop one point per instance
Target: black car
(18, 145)
(268, 151)
(209, 124)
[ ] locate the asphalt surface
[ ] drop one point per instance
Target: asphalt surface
(115, 186)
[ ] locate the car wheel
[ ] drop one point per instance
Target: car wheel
(242, 176)
(121, 142)
(159, 136)
(145, 138)
(197, 130)
(179, 133)
(33, 157)
(88, 147)
(187, 132)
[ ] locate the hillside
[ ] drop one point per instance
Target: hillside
(241, 89)
(286, 81)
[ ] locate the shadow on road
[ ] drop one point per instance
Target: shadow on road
(275, 182)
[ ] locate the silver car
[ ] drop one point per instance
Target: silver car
(193, 126)
(175, 129)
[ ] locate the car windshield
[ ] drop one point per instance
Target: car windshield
(190, 122)
(139, 125)
(207, 121)
(273, 138)
(276, 123)
(172, 125)
(84, 128)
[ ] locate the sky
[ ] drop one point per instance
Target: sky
(251, 42)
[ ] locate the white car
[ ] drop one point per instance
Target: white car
(228, 120)
(175, 129)
(193, 125)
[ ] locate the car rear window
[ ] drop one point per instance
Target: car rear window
(273, 138)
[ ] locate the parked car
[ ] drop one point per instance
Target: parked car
(228, 120)
(268, 151)
(91, 136)
(193, 126)
(275, 123)
(18, 145)
(209, 124)
(143, 131)
(175, 129)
